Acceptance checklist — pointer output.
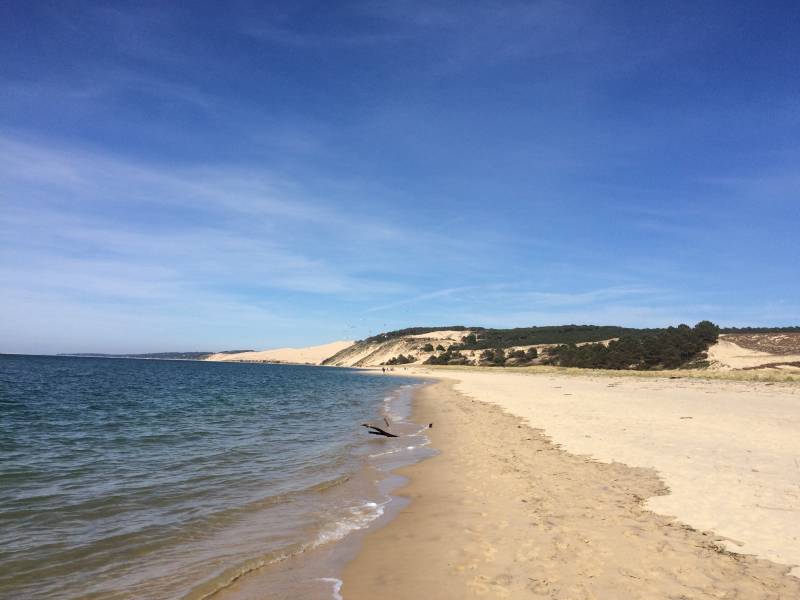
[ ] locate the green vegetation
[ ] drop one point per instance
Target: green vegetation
(483, 338)
(448, 357)
(669, 348)
(400, 360)
(493, 358)
(524, 355)
(562, 334)
(576, 345)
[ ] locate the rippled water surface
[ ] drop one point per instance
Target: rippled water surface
(164, 479)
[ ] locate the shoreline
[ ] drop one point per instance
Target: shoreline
(315, 569)
(503, 511)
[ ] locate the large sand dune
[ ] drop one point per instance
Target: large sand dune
(376, 353)
(311, 355)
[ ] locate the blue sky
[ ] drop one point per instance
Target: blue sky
(250, 175)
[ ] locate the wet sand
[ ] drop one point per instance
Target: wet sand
(504, 513)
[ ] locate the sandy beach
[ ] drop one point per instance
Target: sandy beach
(560, 486)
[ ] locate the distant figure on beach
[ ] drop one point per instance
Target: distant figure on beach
(383, 369)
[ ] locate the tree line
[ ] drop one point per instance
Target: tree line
(670, 348)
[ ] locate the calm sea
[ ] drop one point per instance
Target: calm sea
(172, 479)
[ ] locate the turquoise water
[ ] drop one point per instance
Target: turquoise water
(168, 479)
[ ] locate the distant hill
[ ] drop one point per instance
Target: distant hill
(309, 355)
(558, 334)
(586, 346)
(459, 344)
(156, 355)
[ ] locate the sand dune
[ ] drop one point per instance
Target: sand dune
(443, 334)
(311, 355)
(727, 355)
(375, 353)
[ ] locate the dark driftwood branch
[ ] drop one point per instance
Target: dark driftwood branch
(377, 430)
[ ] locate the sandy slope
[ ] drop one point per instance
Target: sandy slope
(503, 513)
(443, 334)
(727, 355)
(312, 355)
(370, 354)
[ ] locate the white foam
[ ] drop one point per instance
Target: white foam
(385, 453)
(362, 515)
(337, 586)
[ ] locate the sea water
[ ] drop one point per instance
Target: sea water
(124, 478)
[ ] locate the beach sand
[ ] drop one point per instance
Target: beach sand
(504, 512)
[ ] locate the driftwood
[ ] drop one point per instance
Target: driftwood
(377, 430)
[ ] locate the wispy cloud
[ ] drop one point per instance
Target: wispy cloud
(87, 230)
(282, 35)
(423, 297)
(509, 298)
(103, 180)
(764, 187)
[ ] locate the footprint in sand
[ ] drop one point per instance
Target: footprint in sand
(489, 552)
(541, 587)
(527, 554)
(482, 585)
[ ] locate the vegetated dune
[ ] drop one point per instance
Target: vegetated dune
(732, 352)
(772, 343)
(444, 334)
(311, 355)
(756, 351)
(372, 354)
(377, 353)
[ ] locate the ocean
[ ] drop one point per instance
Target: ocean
(123, 478)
